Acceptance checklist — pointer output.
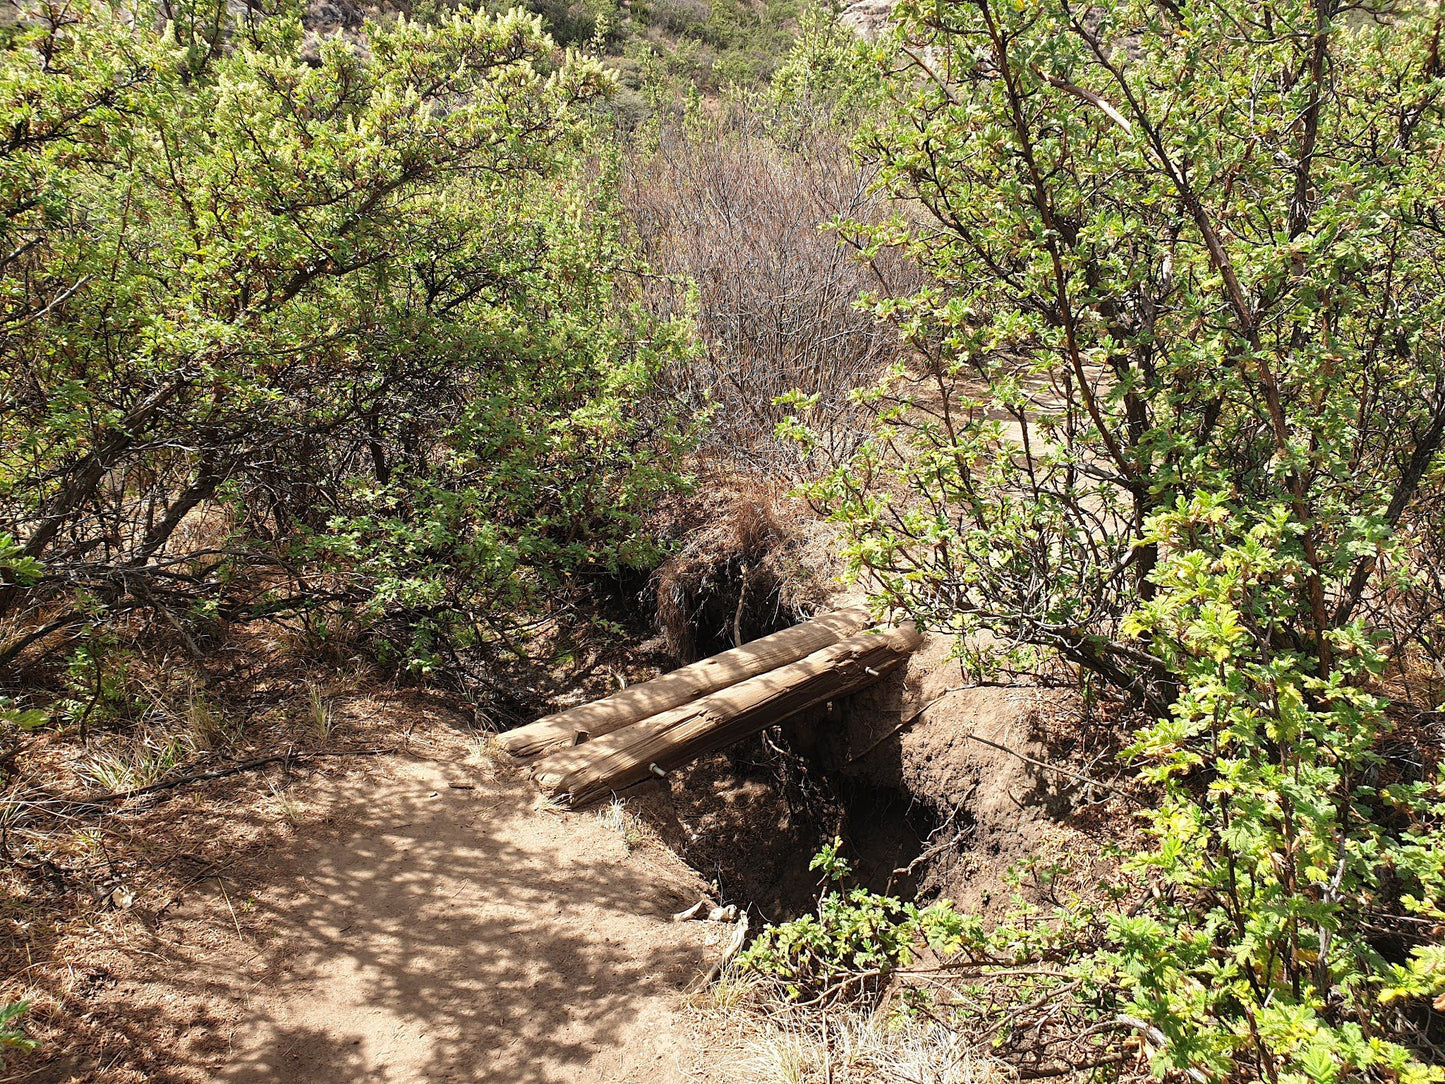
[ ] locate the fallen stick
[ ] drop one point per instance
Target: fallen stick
(665, 741)
(59, 805)
(641, 701)
(732, 948)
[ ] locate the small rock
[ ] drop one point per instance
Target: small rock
(122, 898)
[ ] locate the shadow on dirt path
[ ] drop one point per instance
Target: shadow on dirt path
(419, 931)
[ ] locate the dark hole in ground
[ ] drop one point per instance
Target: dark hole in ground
(884, 834)
(752, 818)
(715, 607)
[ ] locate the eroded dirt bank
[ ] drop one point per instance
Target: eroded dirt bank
(936, 787)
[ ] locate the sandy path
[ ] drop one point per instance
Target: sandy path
(415, 932)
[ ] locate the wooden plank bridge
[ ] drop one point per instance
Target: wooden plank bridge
(596, 749)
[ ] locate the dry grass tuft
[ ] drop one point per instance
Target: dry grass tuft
(320, 713)
(616, 817)
(546, 803)
(487, 753)
(292, 811)
(123, 764)
(771, 1043)
(738, 577)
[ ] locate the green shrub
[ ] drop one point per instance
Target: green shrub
(352, 335)
(12, 1035)
(856, 938)
(1300, 876)
(1174, 415)
(1164, 257)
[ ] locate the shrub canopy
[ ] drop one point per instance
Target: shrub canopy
(281, 330)
(1175, 249)
(1174, 413)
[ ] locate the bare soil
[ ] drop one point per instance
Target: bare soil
(1009, 777)
(417, 917)
(420, 915)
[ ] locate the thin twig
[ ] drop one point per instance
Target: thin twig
(904, 723)
(1055, 768)
(1159, 1039)
(227, 897)
(95, 801)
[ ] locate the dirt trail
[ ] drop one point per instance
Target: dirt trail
(412, 931)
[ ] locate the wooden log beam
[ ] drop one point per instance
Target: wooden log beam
(672, 738)
(648, 698)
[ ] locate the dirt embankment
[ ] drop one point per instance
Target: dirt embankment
(998, 778)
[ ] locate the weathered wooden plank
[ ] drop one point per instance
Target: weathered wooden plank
(674, 737)
(627, 706)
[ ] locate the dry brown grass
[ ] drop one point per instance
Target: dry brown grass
(750, 568)
(739, 1023)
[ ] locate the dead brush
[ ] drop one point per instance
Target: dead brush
(726, 585)
(728, 211)
(778, 1043)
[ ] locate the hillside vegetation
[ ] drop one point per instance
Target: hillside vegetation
(1106, 341)
(1174, 418)
(281, 339)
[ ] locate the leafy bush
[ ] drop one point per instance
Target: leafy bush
(856, 938)
(1171, 249)
(1174, 416)
(355, 337)
(12, 1036)
(1285, 922)
(1300, 875)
